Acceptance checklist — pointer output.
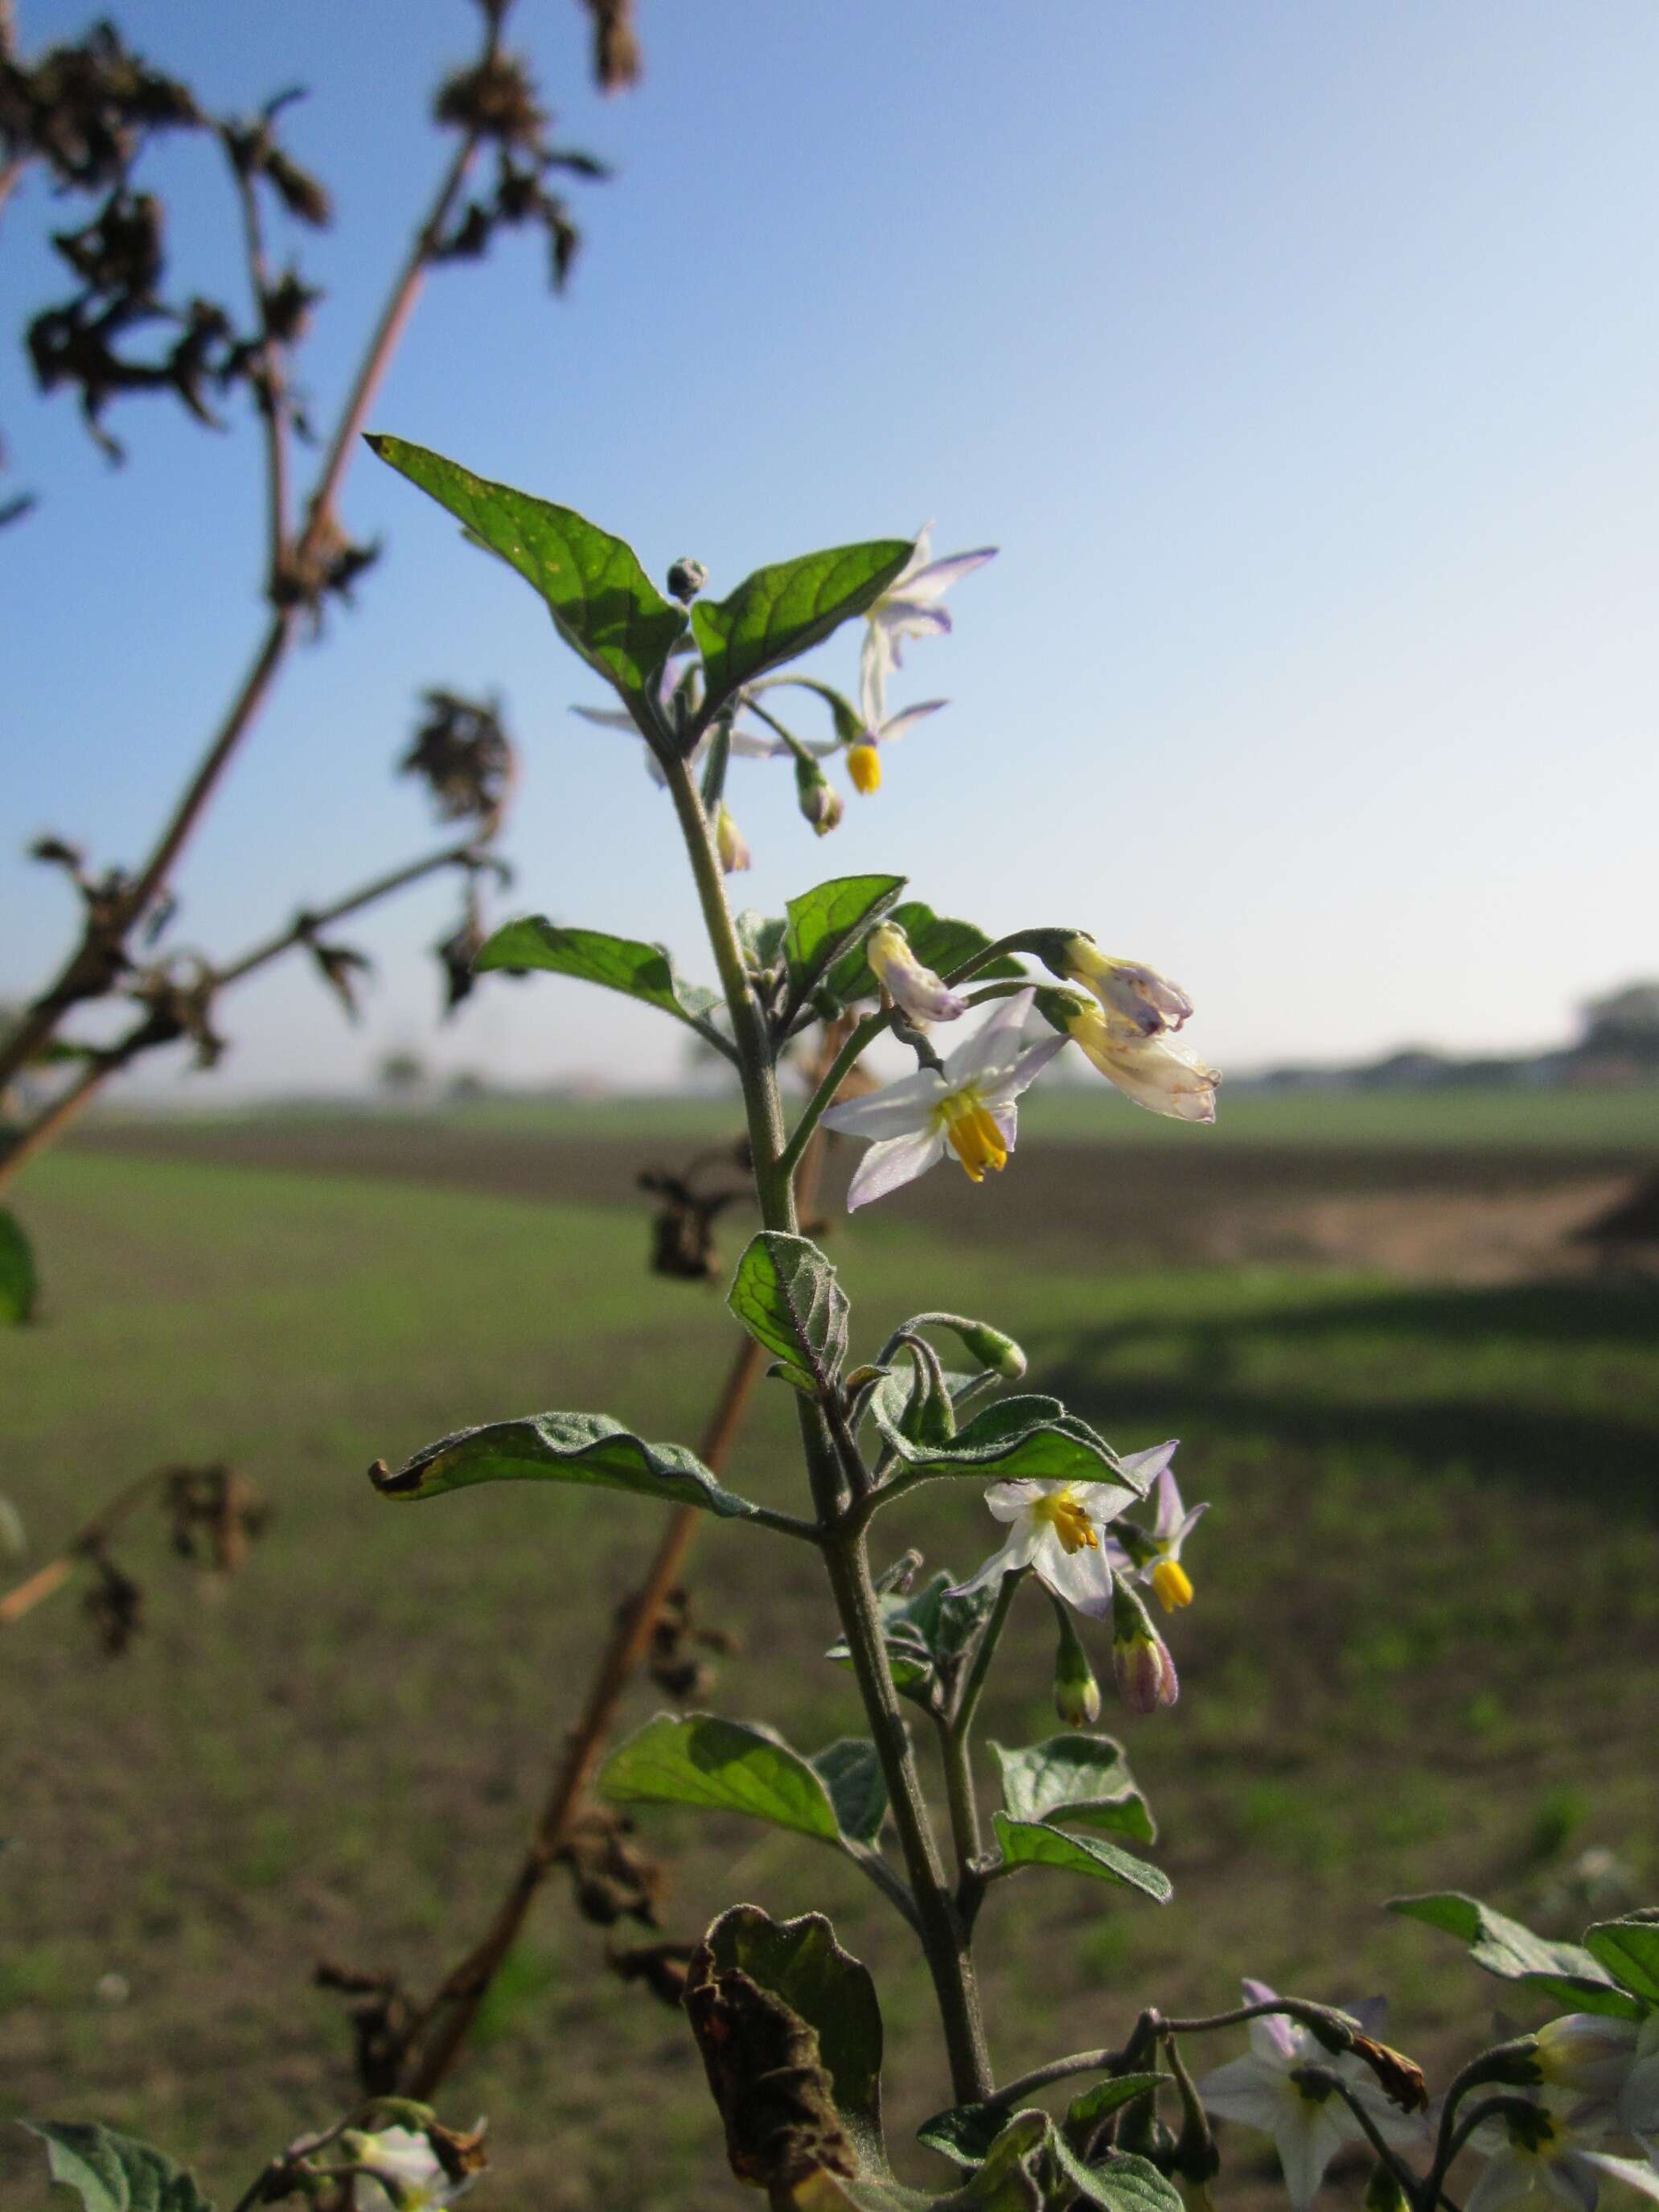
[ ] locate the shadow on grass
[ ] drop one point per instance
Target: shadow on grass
(1606, 1454)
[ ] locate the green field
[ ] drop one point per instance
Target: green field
(1424, 1649)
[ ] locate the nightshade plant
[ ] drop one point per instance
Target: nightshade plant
(788, 2024)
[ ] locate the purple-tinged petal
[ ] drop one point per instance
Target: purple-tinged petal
(938, 577)
(890, 732)
(886, 1167)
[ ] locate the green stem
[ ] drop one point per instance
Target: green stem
(944, 1939)
(962, 1720)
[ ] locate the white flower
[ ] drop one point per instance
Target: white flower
(1156, 1558)
(1136, 1000)
(1165, 1077)
(969, 1109)
(863, 756)
(1545, 2157)
(409, 2160)
(909, 607)
(748, 744)
(1056, 1531)
(1308, 2129)
(1638, 2099)
(917, 991)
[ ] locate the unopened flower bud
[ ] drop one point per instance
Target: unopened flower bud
(864, 766)
(820, 802)
(1137, 1001)
(730, 844)
(685, 580)
(1077, 1693)
(993, 1350)
(1145, 1672)
(1583, 2051)
(917, 991)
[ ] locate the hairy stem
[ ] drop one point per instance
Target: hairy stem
(944, 1939)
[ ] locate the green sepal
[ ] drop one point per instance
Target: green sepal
(1029, 1437)
(1081, 1780)
(783, 610)
(590, 1449)
(801, 1961)
(938, 942)
(19, 1283)
(1060, 1008)
(638, 970)
(827, 922)
(786, 1295)
(1564, 1971)
(1035, 1842)
(602, 602)
(112, 2173)
(1628, 1949)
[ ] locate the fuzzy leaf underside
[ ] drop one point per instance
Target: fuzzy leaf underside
(588, 1448)
(786, 1295)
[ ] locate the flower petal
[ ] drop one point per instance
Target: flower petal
(936, 578)
(1309, 2137)
(1245, 2090)
(886, 1167)
(1014, 1555)
(890, 732)
(893, 1111)
(992, 1054)
(1083, 1578)
(1007, 1499)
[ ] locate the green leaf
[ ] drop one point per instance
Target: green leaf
(925, 1632)
(726, 1767)
(828, 922)
(1124, 2182)
(112, 2173)
(801, 1961)
(760, 938)
(639, 971)
(1628, 1950)
(851, 1772)
(1034, 1843)
(582, 1447)
(966, 2133)
(1028, 1436)
(938, 942)
(1082, 1780)
(1111, 2096)
(19, 1283)
(1008, 2179)
(786, 1295)
(601, 599)
(784, 610)
(1514, 1954)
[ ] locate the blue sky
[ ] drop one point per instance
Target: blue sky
(1301, 360)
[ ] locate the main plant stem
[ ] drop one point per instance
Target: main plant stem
(944, 1937)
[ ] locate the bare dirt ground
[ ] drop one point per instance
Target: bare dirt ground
(1422, 1213)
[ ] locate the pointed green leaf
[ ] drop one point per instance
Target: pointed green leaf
(581, 1448)
(1034, 1843)
(592, 956)
(1028, 1436)
(1123, 2183)
(1111, 2096)
(784, 610)
(851, 1772)
(1514, 1954)
(801, 1961)
(1081, 1780)
(1007, 2179)
(112, 2173)
(19, 1283)
(601, 599)
(786, 1295)
(965, 2132)
(924, 1632)
(726, 1767)
(827, 921)
(761, 938)
(938, 942)
(1628, 1950)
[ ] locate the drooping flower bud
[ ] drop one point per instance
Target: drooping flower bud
(917, 991)
(1137, 1001)
(1145, 1672)
(864, 766)
(820, 802)
(989, 1346)
(1077, 1693)
(1162, 1077)
(685, 580)
(730, 844)
(1582, 2051)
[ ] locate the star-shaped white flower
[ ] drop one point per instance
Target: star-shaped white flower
(1057, 1530)
(909, 607)
(1309, 2129)
(409, 2160)
(1547, 2160)
(969, 1109)
(1156, 1558)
